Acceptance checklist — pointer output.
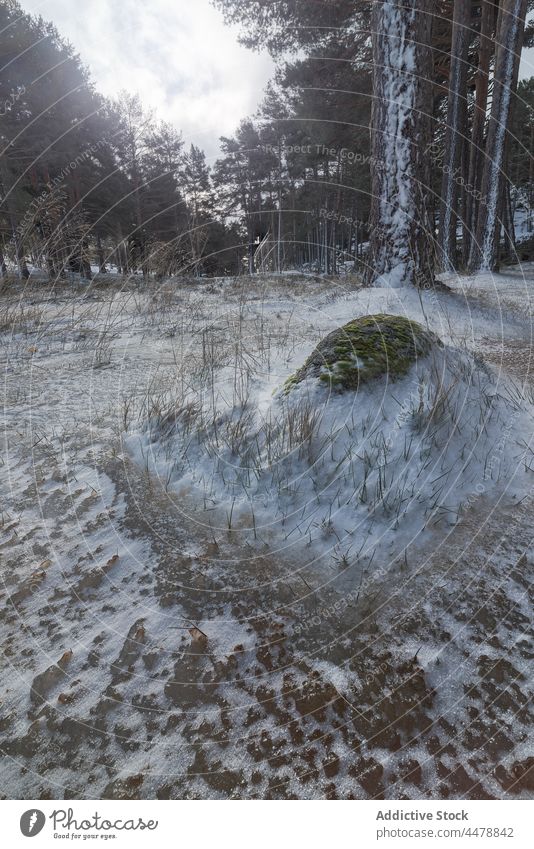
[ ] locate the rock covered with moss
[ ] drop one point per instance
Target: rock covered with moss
(367, 348)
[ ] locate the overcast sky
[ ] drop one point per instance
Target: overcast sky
(177, 54)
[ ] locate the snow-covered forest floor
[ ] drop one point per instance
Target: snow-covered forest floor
(212, 590)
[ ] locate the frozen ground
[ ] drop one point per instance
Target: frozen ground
(165, 635)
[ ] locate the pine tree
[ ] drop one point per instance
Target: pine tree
(196, 186)
(242, 179)
(165, 217)
(136, 125)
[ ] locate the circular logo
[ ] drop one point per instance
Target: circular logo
(32, 822)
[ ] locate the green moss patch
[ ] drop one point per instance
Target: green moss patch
(364, 349)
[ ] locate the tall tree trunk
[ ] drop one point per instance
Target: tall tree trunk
(326, 252)
(400, 241)
(3, 266)
(101, 259)
(474, 181)
(509, 252)
(454, 134)
(122, 252)
(509, 40)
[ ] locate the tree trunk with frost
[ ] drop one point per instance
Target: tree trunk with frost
(401, 250)
(476, 152)
(454, 160)
(509, 39)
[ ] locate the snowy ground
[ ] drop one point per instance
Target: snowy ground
(176, 623)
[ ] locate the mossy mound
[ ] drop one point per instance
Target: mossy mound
(366, 348)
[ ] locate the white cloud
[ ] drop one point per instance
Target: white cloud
(177, 54)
